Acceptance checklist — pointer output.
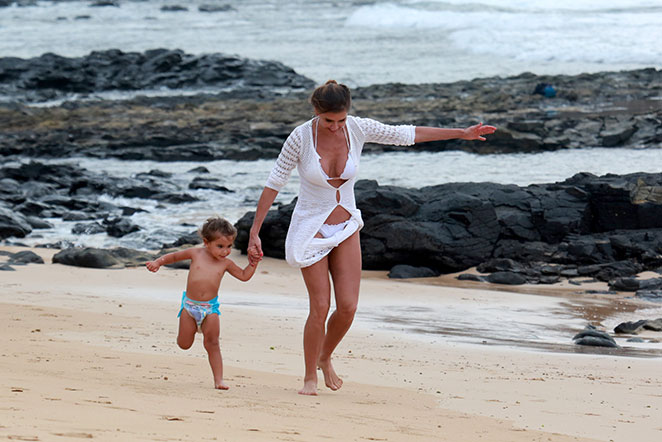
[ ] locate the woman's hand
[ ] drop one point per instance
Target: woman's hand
(477, 131)
(254, 249)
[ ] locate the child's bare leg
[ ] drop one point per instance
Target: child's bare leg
(187, 329)
(211, 330)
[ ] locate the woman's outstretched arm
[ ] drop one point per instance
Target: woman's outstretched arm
(474, 132)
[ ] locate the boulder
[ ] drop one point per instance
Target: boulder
(636, 327)
(591, 336)
(102, 258)
(509, 278)
(86, 257)
(25, 257)
(13, 224)
(649, 295)
(653, 324)
(629, 327)
(403, 271)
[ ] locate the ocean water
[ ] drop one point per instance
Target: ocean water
(360, 42)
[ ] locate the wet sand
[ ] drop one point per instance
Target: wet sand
(90, 353)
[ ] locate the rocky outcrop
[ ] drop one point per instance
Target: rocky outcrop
(605, 227)
(258, 104)
(588, 226)
(31, 192)
(605, 109)
(51, 75)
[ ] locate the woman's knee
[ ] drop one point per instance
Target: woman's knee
(347, 309)
(319, 310)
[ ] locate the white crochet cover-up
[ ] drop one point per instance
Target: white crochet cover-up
(317, 197)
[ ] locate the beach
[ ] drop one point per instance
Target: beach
(91, 354)
(127, 124)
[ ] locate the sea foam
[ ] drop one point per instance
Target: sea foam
(586, 32)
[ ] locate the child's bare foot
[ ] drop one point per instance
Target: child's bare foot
(331, 379)
(221, 386)
(309, 388)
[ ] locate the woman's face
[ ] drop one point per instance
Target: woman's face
(332, 121)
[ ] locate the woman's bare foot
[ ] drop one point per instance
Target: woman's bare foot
(331, 379)
(221, 385)
(309, 388)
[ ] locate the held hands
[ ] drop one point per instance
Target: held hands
(254, 250)
(477, 131)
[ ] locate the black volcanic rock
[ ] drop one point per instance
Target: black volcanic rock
(13, 224)
(259, 103)
(114, 69)
(101, 258)
(593, 337)
(452, 227)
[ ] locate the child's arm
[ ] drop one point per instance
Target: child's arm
(169, 258)
(242, 274)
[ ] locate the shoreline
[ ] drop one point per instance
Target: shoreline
(566, 308)
(61, 321)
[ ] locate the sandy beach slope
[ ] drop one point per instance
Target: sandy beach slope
(91, 354)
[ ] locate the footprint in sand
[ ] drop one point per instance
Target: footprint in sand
(76, 435)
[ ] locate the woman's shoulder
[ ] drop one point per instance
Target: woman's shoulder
(360, 121)
(299, 134)
(303, 126)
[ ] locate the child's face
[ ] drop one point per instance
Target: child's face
(220, 247)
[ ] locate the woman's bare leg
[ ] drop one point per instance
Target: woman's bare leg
(345, 268)
(317, 282)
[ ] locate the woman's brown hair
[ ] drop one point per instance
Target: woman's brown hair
(331, 97)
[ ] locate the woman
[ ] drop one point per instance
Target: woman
(323, 237)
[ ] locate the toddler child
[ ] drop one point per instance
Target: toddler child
(199, 310)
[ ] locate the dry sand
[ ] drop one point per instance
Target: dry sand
(91, 354)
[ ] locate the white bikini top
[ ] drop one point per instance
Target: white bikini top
(350, 166)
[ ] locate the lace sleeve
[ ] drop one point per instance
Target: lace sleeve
(380, 133)
(286, 162)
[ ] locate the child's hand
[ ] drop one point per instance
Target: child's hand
(254, 255)
(253, 261)
(153, 266)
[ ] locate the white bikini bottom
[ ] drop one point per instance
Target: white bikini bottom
(318, 247)
(328, 230)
